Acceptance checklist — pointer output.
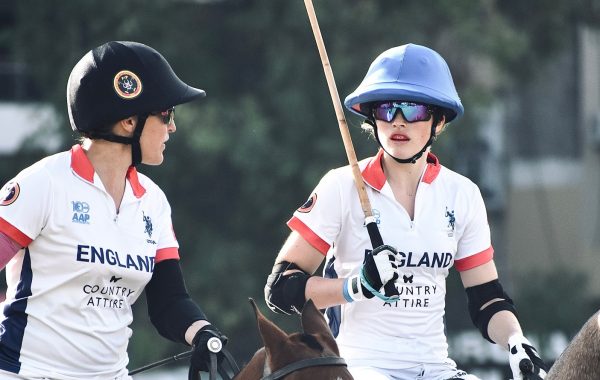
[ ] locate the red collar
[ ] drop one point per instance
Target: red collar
(373, 173)
(82, 166)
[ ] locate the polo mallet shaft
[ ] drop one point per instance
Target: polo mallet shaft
(339, 112)
(370, 221)
(171, 359)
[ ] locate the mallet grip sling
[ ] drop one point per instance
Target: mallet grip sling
(376, 241)
(370, 222)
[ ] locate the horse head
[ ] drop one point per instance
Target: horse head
(312, 354)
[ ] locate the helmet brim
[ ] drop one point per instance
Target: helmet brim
(189, 94)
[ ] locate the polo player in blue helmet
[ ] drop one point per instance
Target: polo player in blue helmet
(430, 218)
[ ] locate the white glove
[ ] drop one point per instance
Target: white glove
(379, 268)
(521, 350)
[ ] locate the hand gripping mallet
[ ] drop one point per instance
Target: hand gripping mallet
(370, 221)
(527, 369)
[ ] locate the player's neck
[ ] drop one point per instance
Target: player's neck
(111, 162)
(403, 178)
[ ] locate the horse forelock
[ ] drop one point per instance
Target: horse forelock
(298, 346)
(312, 342)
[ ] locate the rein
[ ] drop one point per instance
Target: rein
(215, 368)
(301, 364)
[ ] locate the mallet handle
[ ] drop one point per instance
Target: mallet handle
(339, 112)
(370, 222)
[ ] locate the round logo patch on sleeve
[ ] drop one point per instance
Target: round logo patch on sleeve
(9, 193)
(309, 204)
(127, 85)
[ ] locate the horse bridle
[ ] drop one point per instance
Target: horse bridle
(280, 373)
(301, 364)
(215, 368)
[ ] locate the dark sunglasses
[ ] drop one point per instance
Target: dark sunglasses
(410, 111)
(167, 116)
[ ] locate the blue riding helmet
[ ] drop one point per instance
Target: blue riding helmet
(409, 73)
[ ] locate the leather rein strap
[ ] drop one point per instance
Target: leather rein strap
(306, 363)
(267, 375)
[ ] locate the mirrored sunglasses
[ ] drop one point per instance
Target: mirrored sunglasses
(167, 116)
(411, 112)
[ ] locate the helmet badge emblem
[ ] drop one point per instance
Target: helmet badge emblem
(127, 85)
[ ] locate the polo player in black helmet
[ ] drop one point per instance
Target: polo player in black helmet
(83, 233)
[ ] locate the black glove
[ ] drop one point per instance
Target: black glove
(200, 359)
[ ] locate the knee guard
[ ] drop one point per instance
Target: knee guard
(479, 295)
(284, 294)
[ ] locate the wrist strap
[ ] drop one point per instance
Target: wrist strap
(346, 292)
(353, 289)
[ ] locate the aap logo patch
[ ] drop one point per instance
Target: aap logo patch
(81, 212)
(309, 204)
(9, 193)
(127, 85)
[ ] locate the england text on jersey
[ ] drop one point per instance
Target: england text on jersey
(433, 260)
(106, 256)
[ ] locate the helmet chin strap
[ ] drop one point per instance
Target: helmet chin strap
(413, 159)
(134, 141)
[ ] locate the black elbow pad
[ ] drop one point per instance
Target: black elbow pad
(480, 295)
(284, 294)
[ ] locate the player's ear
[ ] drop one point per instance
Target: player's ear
(126, 126)
(441, 125)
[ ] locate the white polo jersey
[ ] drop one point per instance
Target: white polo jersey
(70, 290)
(449, 228)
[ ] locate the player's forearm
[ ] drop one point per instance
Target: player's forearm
(502, 326)
(190, 333)
(325, 292)
(8, 249)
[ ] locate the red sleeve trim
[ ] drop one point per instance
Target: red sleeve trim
(14, 233)
(166, 254)
(308, 234)
(475, 260)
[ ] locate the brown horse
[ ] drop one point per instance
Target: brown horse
(581, 358)
(310, 355)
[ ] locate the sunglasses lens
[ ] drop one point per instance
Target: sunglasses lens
(414, 112)
(411, 111)
(385, 112)
(167, 116)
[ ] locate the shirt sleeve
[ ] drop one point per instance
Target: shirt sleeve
(474, 246)
(25, 202)
(319, 219)
(167, 245)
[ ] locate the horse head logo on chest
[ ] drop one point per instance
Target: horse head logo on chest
(451, 221)
(147, 225)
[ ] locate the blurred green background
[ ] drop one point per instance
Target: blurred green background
(248, 155)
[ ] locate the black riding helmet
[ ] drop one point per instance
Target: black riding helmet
(121, 79)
